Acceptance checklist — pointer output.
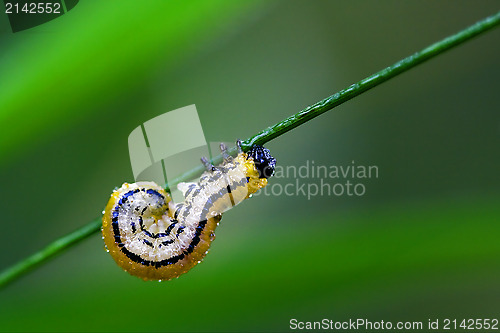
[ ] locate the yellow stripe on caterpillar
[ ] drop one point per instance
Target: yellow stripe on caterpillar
(151, 237)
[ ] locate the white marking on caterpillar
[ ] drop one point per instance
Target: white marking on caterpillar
(151, 237)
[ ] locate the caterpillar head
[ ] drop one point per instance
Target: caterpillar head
(264, 162)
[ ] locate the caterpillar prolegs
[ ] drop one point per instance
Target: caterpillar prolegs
(153, 238)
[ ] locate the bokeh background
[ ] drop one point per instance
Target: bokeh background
(422, 243)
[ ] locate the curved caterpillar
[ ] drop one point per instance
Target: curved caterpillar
(151, 237)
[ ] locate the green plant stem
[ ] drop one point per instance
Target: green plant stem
(49, 251)
(271, 133)
(372, 81)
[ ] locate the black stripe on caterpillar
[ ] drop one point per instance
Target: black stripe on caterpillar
(151, 237)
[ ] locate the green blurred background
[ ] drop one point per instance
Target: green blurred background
(421, 244)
